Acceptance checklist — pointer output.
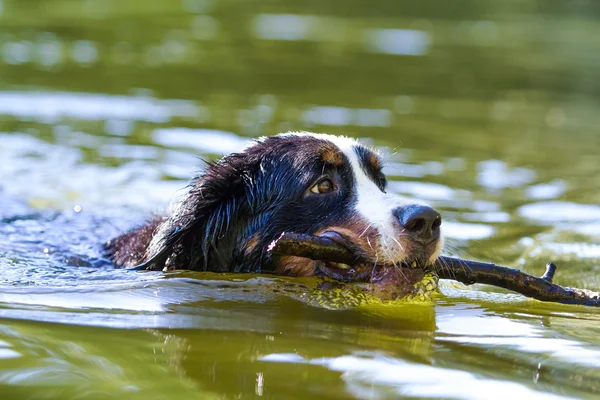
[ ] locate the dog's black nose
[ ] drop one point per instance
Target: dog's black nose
(422, 223)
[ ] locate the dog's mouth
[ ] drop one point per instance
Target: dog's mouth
(405, 273)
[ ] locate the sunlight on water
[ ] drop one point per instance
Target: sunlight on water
(38, 170)
(499, 333)
(50, 107)
(284, 26)
(465, 231)
(363, 375)
(209, 141)
(553, 211)
(341, 116)
(398, 41)
(487, 112)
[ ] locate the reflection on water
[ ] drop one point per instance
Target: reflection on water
(363, 374)
(51, 107)
(486, 111)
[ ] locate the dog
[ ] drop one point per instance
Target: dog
(301, 182)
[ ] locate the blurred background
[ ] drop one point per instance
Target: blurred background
(487, 110)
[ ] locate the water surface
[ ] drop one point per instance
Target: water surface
(486, 110)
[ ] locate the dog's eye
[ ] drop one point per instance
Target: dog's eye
(323, 186)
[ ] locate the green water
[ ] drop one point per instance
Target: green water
(487, 110)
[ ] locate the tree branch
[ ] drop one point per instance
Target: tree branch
(465, 271)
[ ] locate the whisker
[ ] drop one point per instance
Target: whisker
(456, 251)
(397, 268)
(365, 231)
(370, 245)
(446, 267)
(398, 243)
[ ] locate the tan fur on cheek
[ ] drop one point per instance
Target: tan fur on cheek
(296, 266)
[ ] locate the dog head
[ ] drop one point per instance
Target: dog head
(296, 182)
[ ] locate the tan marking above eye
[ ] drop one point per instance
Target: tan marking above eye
(332, 155)
(323, 186)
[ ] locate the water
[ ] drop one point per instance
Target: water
(486, 110)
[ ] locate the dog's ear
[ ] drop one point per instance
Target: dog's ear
(196, 232)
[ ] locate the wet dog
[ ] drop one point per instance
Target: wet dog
(294, 182)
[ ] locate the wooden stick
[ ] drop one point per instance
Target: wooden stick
(313, 247)
(465, 271)
(540, 288)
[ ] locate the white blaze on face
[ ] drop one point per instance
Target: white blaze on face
(375, 206)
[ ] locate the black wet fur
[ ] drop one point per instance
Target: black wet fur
(240, 204)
